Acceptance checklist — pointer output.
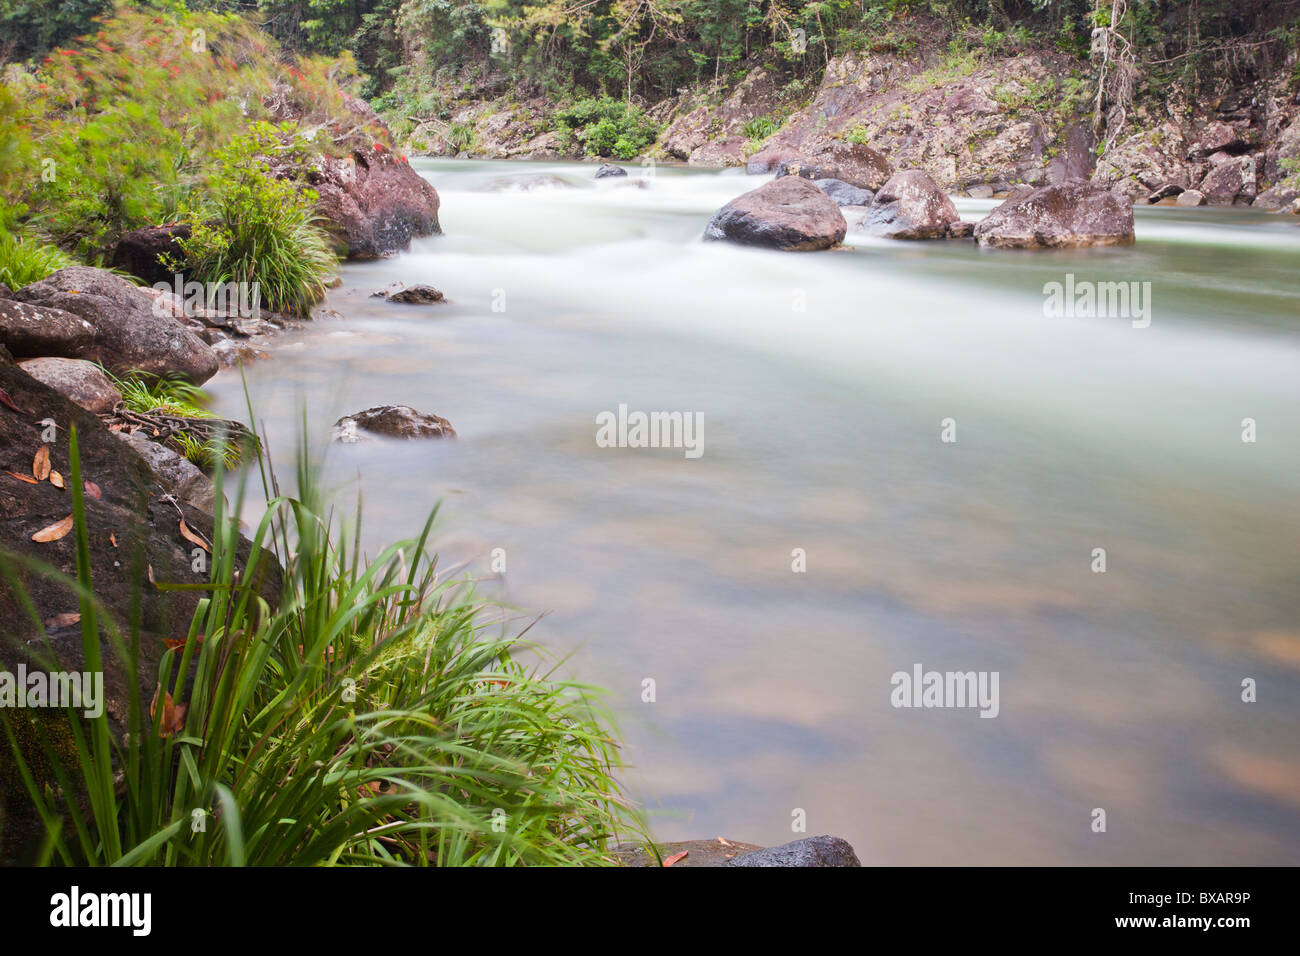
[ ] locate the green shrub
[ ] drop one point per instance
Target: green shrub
(371, 718)
(23, 261)
(250, 226)
(607, 127)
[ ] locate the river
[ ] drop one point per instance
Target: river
(826, 384)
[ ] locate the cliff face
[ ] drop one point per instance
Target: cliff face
(978, 125)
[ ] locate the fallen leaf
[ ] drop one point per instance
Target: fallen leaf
(173, 715)
(193, 538)
(41, 463)
(92, 489)
(56, 479)
(173, 643)
(112, 539)
(7, 400)
(149, 567)
(55, 531)
(27, 478)
(66, 619)
(676, 857)
(725, 842)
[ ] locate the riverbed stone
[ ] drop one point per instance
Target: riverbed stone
(790, 214)
(1066, 215)
(83, 382)
(128, 333)
(390, 421)
(843, 193)
(811, 851)
(608, 170)
(1190, 197)
(910, 206)
(415, 295)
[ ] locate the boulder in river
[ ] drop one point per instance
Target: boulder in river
(1230, 182)
(140, 251)
(810, 851)
(391, 421)
(910, 206)
(856, 164)
(788, 213)
(1190, 197)
(843, 193)
(83, 382)
(609, 169)
(128, 332)
(373, 202)
(1063, 216)
(769, 158)
(524, 183)
(415, 295)
(30, 331)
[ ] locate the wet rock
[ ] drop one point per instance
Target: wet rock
(1166, 191)
(83, 382)
(1230, 182)
(128, 333)
(416, 295)
(843, 193)
(30, 331)
(810, 851)
(609, 169)
(524, 184)
(391, 421)
(140, 251)
(910, 206)
(1062, 216)
(173, 473)
(232, 352)
(1190, 197)
(961, 230)
(699, 853)
(373, 202)
(789, 214)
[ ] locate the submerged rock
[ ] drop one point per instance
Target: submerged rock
(609, 169)
(391, 421)
(83, 382)
(788, 213)
(810, 851)
(910, 206)
(128, 333)
(415, 295)
(1057, 217)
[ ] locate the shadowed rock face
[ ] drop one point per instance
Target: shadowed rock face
(391, 421)
(374, 203)
(1058, 217)
(30, 331)
(788, 213)
(910, 206)
(139, 251)
(126, 332)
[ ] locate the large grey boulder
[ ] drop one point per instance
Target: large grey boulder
(810, 851)
(29, 331)
(129, 333)
(843, 193)
(789, 214)
(910, 206)
(1057, 217)
(83, 382)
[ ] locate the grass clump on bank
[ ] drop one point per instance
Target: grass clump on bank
(373, 717)
(24, 261)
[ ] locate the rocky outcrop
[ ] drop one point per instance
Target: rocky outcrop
(788, 214)
(128, 333)
(1230, 181)
(140, 251)
(1055, 217)
(134, 539)
(390, 421)
(30, 331)
(910, 206)
(83, 382)
(373, 202)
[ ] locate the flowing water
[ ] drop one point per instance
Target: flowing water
(824, 381)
